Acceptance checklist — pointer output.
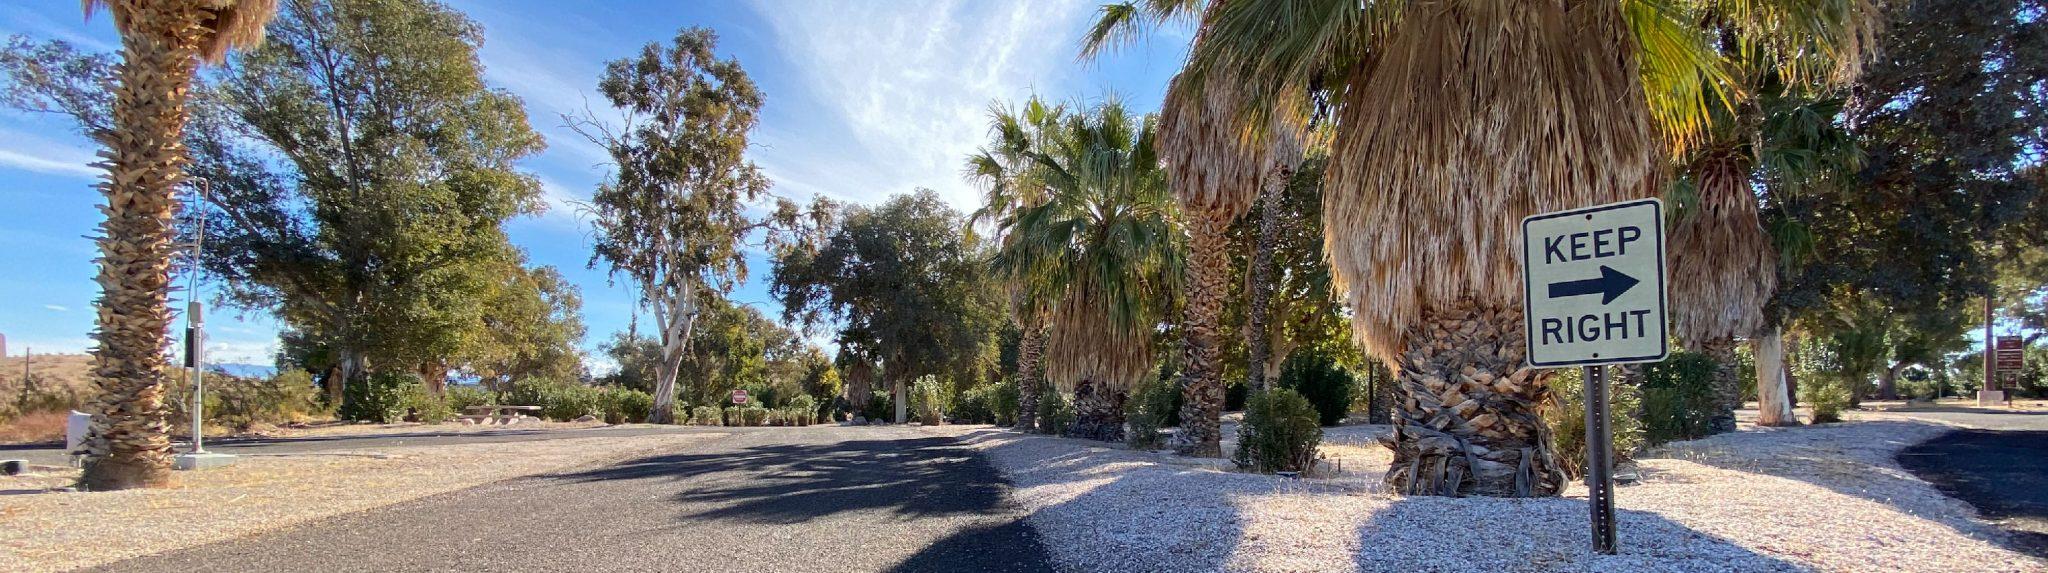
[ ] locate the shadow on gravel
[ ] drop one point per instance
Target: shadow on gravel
(1552, 534)
(2004, 474)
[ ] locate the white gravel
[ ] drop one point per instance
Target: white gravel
(1825, 498)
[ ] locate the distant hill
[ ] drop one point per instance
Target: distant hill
(72, 372)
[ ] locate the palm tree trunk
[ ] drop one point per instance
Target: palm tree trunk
(1260, 278)
(1773, 396)
(1466, 414)
(128, 445)
(1727, 383)
(1382, 401)
(1098, 412)
(1028, 386)
(1201, 379)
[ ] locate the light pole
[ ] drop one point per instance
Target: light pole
(195, 344)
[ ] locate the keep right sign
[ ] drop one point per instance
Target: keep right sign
(1593, 285)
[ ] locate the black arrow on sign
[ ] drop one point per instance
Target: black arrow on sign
(1610, 285)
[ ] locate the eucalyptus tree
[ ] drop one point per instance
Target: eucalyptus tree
(162, 45)
(1100, 241)
(673, 217)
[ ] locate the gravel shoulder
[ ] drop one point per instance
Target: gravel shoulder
(53, 530)
(1827, 498)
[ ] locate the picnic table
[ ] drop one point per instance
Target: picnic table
(495, 414)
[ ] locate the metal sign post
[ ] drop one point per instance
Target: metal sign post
(1593, 295)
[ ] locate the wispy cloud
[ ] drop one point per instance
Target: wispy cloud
(57, 308)
(908, 84)
(41, 155)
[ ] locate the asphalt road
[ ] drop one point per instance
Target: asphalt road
(44, 454)
(783, 499)
(2003, 473)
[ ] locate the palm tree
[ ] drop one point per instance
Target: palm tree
(1000, 168)
(162, 44)
(1723, 265)
(1547, 105)
(1100, 240)
(1218, 166)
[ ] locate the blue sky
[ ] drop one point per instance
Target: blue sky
(864, 100)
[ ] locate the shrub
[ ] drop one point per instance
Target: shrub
(1055, 415)
(379, 397)
(1826, 394)
(1317, 377)
(971, 407)
(1003, 402)
(241, 403)
(1151, 403)
(707, 416)
(925, 398)
(626, 405)
(560, 401)
(420, 405)
(1565, 413)
(461, 398)
(1280, 432)
(1678, 398)
(807, 406)
(879, 408)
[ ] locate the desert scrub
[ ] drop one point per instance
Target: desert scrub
(1280, 433)
(1826, 394)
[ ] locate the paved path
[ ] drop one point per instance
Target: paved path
(786, 499)
(2004, 474)
(43, 454)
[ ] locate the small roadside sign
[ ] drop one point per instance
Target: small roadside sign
(1593, 295)
(739, 396)
(1593, 285)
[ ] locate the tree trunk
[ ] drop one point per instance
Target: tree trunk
(1259, 279)
(1382, 401)
(1028, 386)
(1727, 383)
(1201, 380)
(902, 401)
(434, 375)
(1888, 381)
(128, 445)
(1098, 412)
(1466, 419)
(663, 411)
(1773, 397)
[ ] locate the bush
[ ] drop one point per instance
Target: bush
(420, 405)
(1565, 413)
(379, 397)
(460, 398)
(925, 398)
(1317, 377)
(1280, 432)
(1826, 394)
(559, 401)
(1678, 398)
(879, 408)
(706, 416)
(242, 403)
(1003, 399)
(627, 406)
(1151, 404)
(971, 407)
(1055, 415)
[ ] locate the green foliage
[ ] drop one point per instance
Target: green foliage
(706, 416)
(803, 403)
(1678, 398)
(1565, 413)
(1826, 394)
(627, 406)
(926, 396)
(987, 404)
(461, 397)
(1055, 413)
(1153, 403)
(559, 401)
(420, 405)
(879, 408)
(379, 397)
(908, 288)
(1280, 433)
(1317, 377)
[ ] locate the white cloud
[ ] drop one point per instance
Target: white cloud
(31, 153)
(908, 84)
(57, 308)
(241, 351)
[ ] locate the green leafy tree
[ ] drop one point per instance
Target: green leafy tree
(907, 288)
(672, 219)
